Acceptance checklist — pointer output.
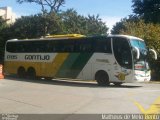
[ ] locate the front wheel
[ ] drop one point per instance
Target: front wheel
(102, 78)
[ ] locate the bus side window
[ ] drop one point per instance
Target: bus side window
(52, 45)
(103, 45)
(11, 47)
(68, 46)
(87, 45)
(78, 46)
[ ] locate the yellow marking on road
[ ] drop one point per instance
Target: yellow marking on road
(153, 109)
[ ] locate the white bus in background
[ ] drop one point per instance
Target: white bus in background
(107, 59)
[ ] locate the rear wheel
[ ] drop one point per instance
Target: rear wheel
(21, 72)
(102, 78)
(31, 73)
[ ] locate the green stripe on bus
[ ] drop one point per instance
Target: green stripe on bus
(64, 70)
(73, 65)
(79, 64)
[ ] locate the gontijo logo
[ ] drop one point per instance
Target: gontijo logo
(37, 57)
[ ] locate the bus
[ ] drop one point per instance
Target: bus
(107, 59)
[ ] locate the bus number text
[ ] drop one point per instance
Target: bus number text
(11, 57)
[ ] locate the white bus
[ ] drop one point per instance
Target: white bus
(106, 59)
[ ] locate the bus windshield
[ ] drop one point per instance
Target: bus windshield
(138, 43)
(143, 62)
(141, 46)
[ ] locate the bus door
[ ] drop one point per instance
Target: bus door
(122, 62)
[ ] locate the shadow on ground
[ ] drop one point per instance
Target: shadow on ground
(74, 83)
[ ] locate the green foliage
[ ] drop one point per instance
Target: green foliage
(35, 26)
(149, 10)
(3, 36)
(95, 25)
(121, 25)
(118, 27)
(74, 23)
(2, 23)
(54, 21)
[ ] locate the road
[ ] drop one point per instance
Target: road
(23, 96)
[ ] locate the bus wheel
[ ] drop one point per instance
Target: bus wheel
(102, 78)
(48, 78)
(118, 83)
(31, 73)
(21, 72)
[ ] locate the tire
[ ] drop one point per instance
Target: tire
(118, 83)
(31, 73)
(102, 78)
(21, 72)
(48, 78)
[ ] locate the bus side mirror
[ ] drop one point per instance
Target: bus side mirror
(154, 52)
(137, 52)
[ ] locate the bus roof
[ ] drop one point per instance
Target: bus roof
(72, 37)
(51, 37)
(126, 36)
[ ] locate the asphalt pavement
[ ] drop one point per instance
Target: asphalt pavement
(24, 96)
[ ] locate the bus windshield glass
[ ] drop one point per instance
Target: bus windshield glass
(138, 43)
(143, 62)
(141, 46)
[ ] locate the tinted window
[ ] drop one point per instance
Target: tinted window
(91, 44)
(103, 45)
(122, 52)
(82, 45)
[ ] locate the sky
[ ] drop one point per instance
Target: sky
(110, 11)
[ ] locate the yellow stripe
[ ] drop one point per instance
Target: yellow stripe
(57, 62)
(66, 35)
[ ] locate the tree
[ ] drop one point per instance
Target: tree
(51, 5)
(149, 10)
(66, 22)
(74, 23)
(35, 26)
(3, 23)
(3, 37)
(121, 25)
(95, 25)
